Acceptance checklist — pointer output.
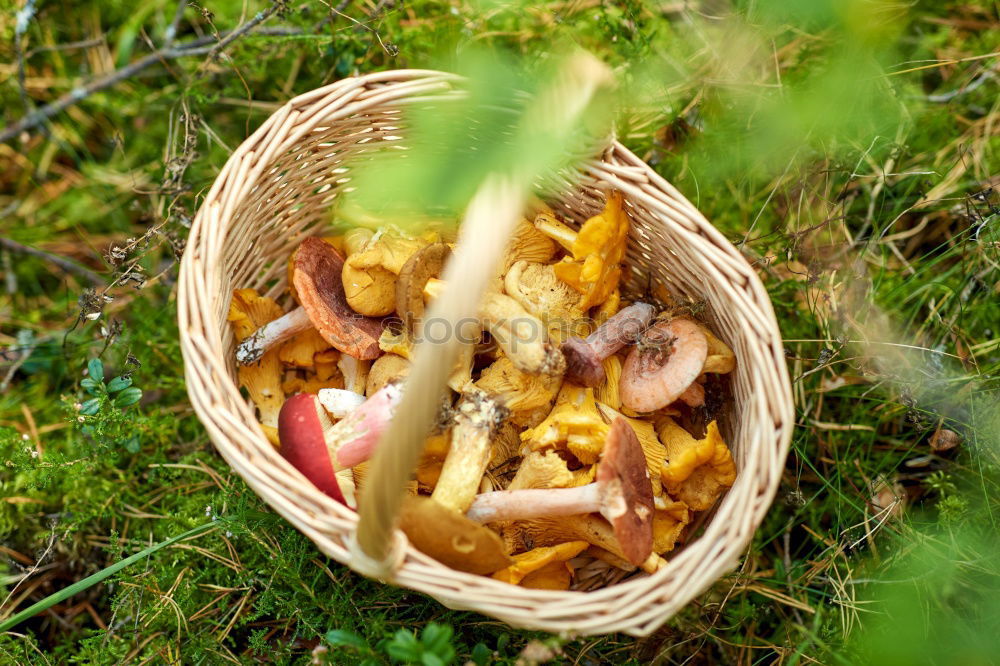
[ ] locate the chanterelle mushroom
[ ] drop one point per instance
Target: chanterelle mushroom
(316, 276)
(527, 244)
(477, 418)
(696, 471)
(262, 380)
(662, 365)
(585, 356)
(598, 249)
(574, 424)
(541, 293)
(522, 393)
(537, 559)
(622, 494)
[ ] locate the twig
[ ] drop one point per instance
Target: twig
(62, 262)
(20, 28)
(200, 46)
(171, 33)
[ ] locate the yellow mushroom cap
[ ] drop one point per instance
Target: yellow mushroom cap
(521, 392)
(248, 311)
(695, 471)
(574, 424)
(598, 251)
(537, 558)
(300, 349)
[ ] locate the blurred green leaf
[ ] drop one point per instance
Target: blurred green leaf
(119, 383)
(127, 397)
(95, 369)
(346, 638)
(90, 407)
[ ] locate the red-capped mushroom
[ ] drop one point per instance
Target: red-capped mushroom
(662, 365)
(622, 494)
(316, 269)
(319, 448)
(584, 356)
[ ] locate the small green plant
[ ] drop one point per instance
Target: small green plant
(433, 648)
(103, 414)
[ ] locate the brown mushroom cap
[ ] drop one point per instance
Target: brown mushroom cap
(426, 263)
(302, 422)
(316, 278)
(628, 504)
(451, 538)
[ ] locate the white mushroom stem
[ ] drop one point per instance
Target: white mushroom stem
(535, 503)
(465, 464)
(271, 334)
(340, 402)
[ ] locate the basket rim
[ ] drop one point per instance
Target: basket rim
(618, 167)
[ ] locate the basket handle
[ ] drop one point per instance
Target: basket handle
(488, 224)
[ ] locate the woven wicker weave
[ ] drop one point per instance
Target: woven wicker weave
(278, 187)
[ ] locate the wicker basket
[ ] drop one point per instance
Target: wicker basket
(278, 188)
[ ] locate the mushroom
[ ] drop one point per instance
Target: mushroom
(695, 471)
(527, 244)
(668, 525)
(426, 263)
(593, 529)
(664, 363)
(522, 393)
(518, 333)
(548, 560)
(608, 308)
(451, 538)
(371, 268)
(543, 469)
(720, 359)
(584, 357)
(355, 372)
(476, 421)
(340, 402)
(652, 448)
(598, 249)
(247, 312)
(574, 424)
(607, 392)
(385, 369)
(301, 349)
(316, 277)
(536, 287)
(622, 494)
(319, 448)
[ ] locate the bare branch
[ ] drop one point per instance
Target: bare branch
(195, 47)
(62, 262)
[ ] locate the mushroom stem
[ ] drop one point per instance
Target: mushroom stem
(271, 334)
(352, 440)
(556, 230)
(340, 402)
(535, 503)
(477, 420)
(584, 356)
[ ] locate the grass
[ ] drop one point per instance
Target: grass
(850, 150)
